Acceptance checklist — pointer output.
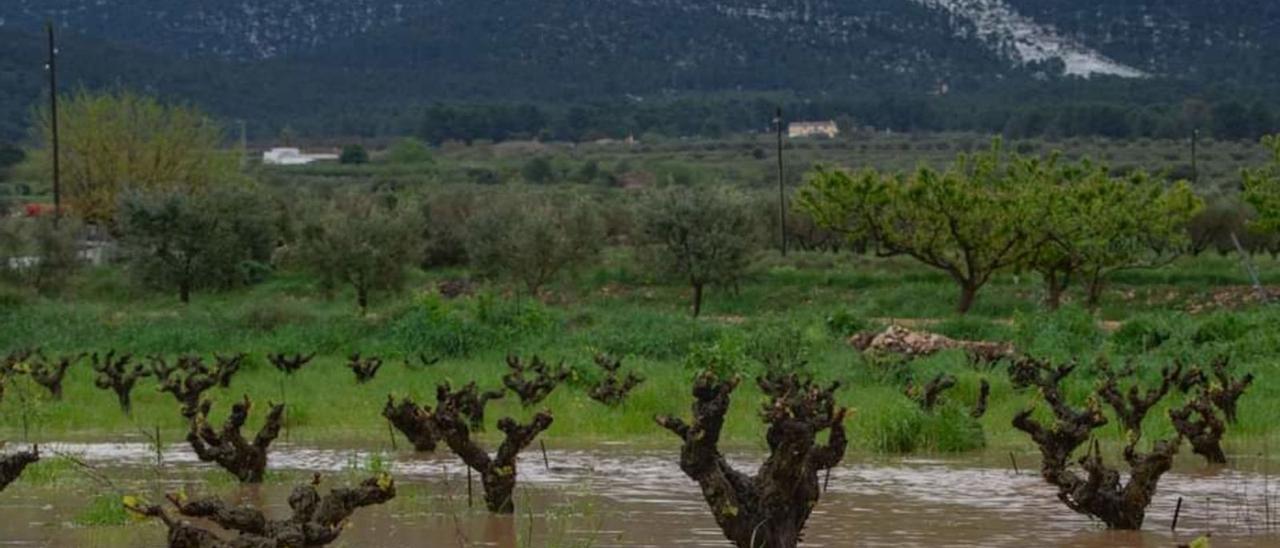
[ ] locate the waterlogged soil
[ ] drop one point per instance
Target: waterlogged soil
(626, 496)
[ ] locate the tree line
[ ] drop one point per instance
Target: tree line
(188, 219)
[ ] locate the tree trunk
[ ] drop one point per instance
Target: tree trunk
(184, 291)
(697, 299)
(968, 294)
(1055, 283)
(362, 299)
(1096, 284)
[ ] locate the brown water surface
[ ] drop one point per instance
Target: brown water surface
(620, 496)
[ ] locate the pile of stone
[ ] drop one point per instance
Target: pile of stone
(900, 340)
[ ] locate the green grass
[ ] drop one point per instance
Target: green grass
(808, 303)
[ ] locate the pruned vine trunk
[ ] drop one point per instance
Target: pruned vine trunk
(118, 374)
(50, 373)
(497, 473)
(365, 369)
(612, 390)
(247, 461)
(412, 421)
(1100, 492)
(315, 520)
(769, 509)
(187, 379)
(533, 381)
(1205, 433)
(11, 466)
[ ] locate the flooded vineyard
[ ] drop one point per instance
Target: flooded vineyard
(628, 496)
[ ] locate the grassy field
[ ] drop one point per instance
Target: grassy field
(750, 159)
(809, 303)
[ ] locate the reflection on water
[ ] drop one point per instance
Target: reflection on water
(625, 497)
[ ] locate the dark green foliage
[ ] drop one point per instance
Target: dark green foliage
(538, 171)
(701, 236)
(1220, 328)
(358, 242)
(51, 246)
(353, 155)
(1141, 334)
(185, 242)
(533, 238)
(845, 323)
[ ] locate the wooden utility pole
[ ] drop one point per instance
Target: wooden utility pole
(782, 194)
(53, 120)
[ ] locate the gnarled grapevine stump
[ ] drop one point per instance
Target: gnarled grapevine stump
(1204, 433)
(469, 401)
(119, 374)
(364, 368)
(769, 509)
(187, 378)
(11, 466)
(315, 520)
(226, 367)
(50, 373)
(533, 381)
(927, 396)
(413, 421)
(612, 390)
(497, 473)
(228, 447)
(1099, 493)
(289, 364)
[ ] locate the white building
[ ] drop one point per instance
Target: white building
(293, 157)
(826, 129)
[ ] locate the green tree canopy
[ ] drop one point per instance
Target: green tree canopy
(117, 141)
(1262, 189)
(966, 221)
(186, 241)
(1085, 222)
(533, 237)
(360, 242)
(704, 235)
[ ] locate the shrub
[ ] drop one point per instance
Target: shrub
(353, 155)
(1141, 334)
(532, 239)
(410, 151)
(1061, 335)
(1221, 327)
(845, 323)
(358, 242)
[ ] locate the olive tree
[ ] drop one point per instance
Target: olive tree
(360, 242)
(704, 235)
(184, 240)
(966, 221)
(39, 252)
(532, 237)
(115, 142)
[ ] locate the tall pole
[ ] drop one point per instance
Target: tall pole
(53, 120)
(782, 195)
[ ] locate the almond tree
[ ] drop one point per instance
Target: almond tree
(967, 221)
(1262, 188)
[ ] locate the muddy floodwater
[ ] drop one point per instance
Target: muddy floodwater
(621, 496)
